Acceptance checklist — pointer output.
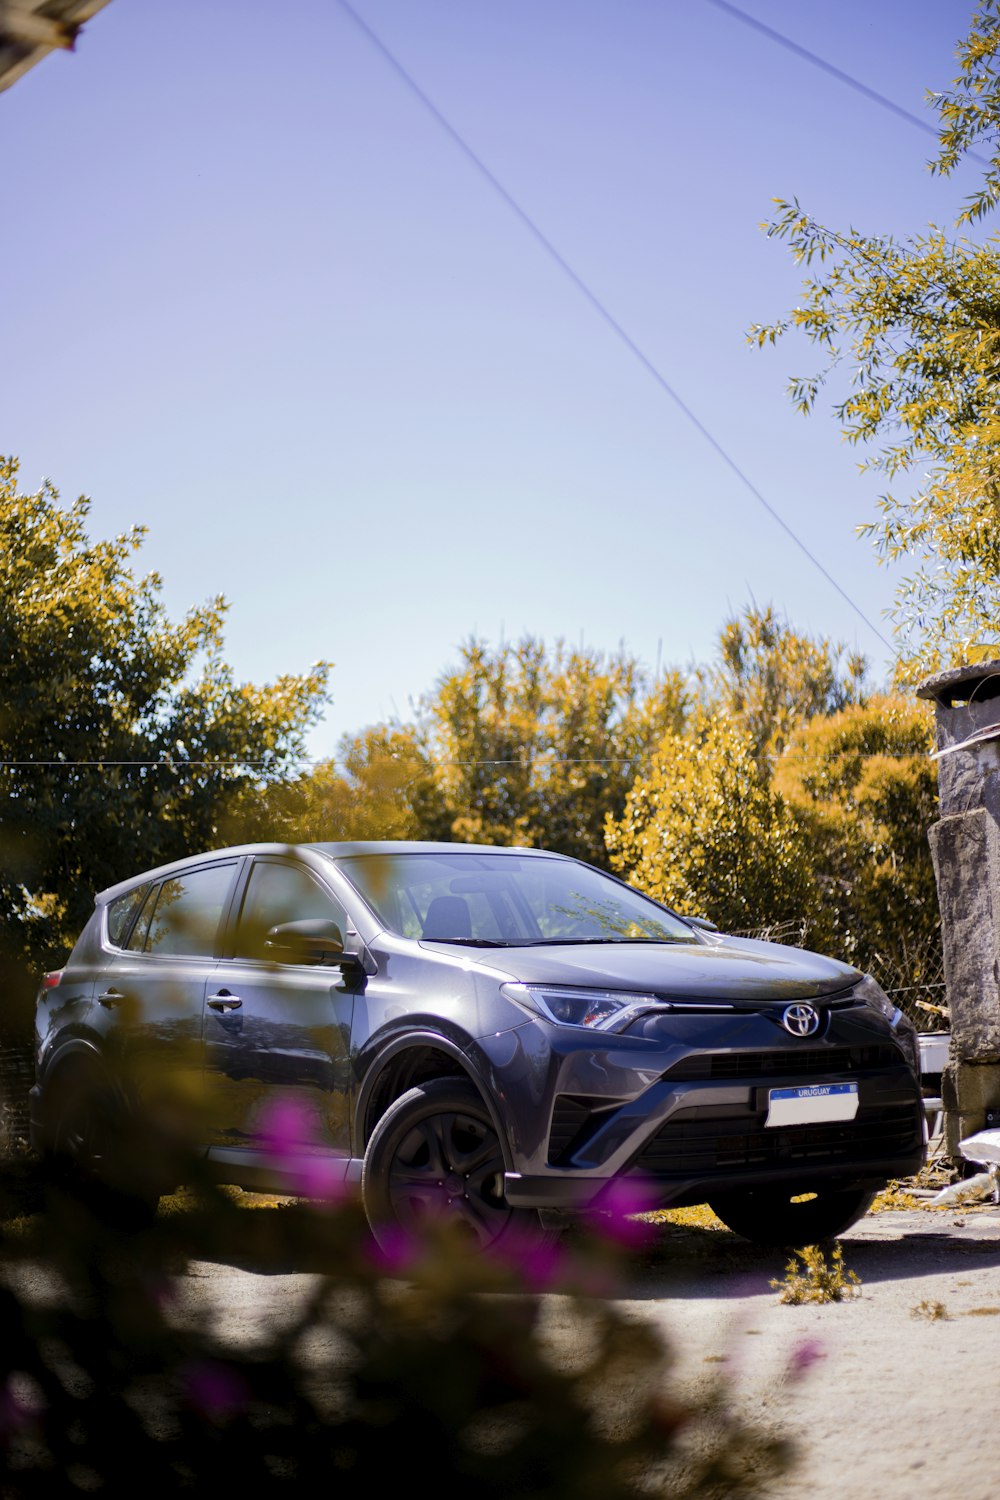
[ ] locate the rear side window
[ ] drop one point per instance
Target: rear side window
(184, 914)
(121, 913)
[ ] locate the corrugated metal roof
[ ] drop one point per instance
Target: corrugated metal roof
(31, 29)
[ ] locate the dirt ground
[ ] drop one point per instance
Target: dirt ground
(897, 1399)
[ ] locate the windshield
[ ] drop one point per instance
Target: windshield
(505, 900)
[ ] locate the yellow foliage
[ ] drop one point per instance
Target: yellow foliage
(703, 832)
(816, 1280)
(864, 792)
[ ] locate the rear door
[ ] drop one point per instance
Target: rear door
(154, 986)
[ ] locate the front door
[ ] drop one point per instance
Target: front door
(277, 1036)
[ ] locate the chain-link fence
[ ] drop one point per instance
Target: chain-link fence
(913, 976)
(915, 981)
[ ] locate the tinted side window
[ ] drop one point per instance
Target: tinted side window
(121, 912)
(137, 939)
(187, 911)
(281, 893)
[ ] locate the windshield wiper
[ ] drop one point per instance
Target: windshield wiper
(543, 942)
(579, 942)
(465, 942)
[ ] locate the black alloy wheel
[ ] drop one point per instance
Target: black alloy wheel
(782, 1216)
(435, 1154)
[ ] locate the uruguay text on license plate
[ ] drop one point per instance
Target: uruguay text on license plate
(812, 1104)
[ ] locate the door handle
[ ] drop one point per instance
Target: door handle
(110, 998)
(224, 1001)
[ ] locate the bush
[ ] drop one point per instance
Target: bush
(423, 1366)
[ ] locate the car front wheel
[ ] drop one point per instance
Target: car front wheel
(776, 1216)
(435, 1155)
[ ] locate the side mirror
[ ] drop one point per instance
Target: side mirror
(314, 941)
(701, 922)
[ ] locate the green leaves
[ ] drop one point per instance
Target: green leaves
(122, 702)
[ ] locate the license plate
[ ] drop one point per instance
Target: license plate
(812, 1104)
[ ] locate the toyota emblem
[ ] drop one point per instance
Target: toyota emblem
(800, 1020)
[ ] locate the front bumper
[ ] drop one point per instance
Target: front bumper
(683, 1123)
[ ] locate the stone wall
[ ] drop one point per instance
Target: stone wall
(965, 847)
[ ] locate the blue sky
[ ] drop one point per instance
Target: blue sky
(256, 299)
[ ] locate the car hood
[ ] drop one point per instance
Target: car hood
(718, 969)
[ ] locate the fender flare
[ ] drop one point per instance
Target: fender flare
(415, 1040)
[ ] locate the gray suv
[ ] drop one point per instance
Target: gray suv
(496, 1035)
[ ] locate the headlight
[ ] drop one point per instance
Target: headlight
(871, 993)
(602, 1010)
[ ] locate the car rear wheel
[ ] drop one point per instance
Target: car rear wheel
(776, 1216)
(435, 1155)
(91, 1136)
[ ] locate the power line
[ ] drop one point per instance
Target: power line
(436, 765)
(595, 302)
(170, 765)
(838, 73)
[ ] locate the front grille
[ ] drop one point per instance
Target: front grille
(691, 1147)
(786, 1062)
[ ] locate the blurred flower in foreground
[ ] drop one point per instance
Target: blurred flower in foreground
(15, 1412)
(541, 1266)
(215, 1390)
(396, 1251)
(288, 1130)
(613, 1215)
(803, 1357)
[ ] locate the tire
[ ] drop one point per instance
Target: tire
(88, 1160)
(769, 1216)
(435, 1155)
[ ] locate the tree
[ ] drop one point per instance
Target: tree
(124, 738)
(381, 786)
(864, 791)
(770, 679)
(916, 323)
(970, 111)
(704, 832)
(532, 747)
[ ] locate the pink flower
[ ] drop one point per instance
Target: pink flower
(804, 1356)
(289, 1133)
(285, 1125)
(396, 1251)
(613, 1215)
(215, 1390)
(539, 1266)
(160, 1291)
(320, 1177)
(14, 1412)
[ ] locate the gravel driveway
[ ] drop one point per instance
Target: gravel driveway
(894, 1405)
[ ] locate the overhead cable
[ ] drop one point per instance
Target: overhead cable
(598, 306)
(838, 73)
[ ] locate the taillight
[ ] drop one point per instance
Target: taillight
(49, 981)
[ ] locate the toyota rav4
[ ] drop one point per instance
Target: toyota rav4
(490, 1034)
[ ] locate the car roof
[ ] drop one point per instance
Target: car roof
(332, 850)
